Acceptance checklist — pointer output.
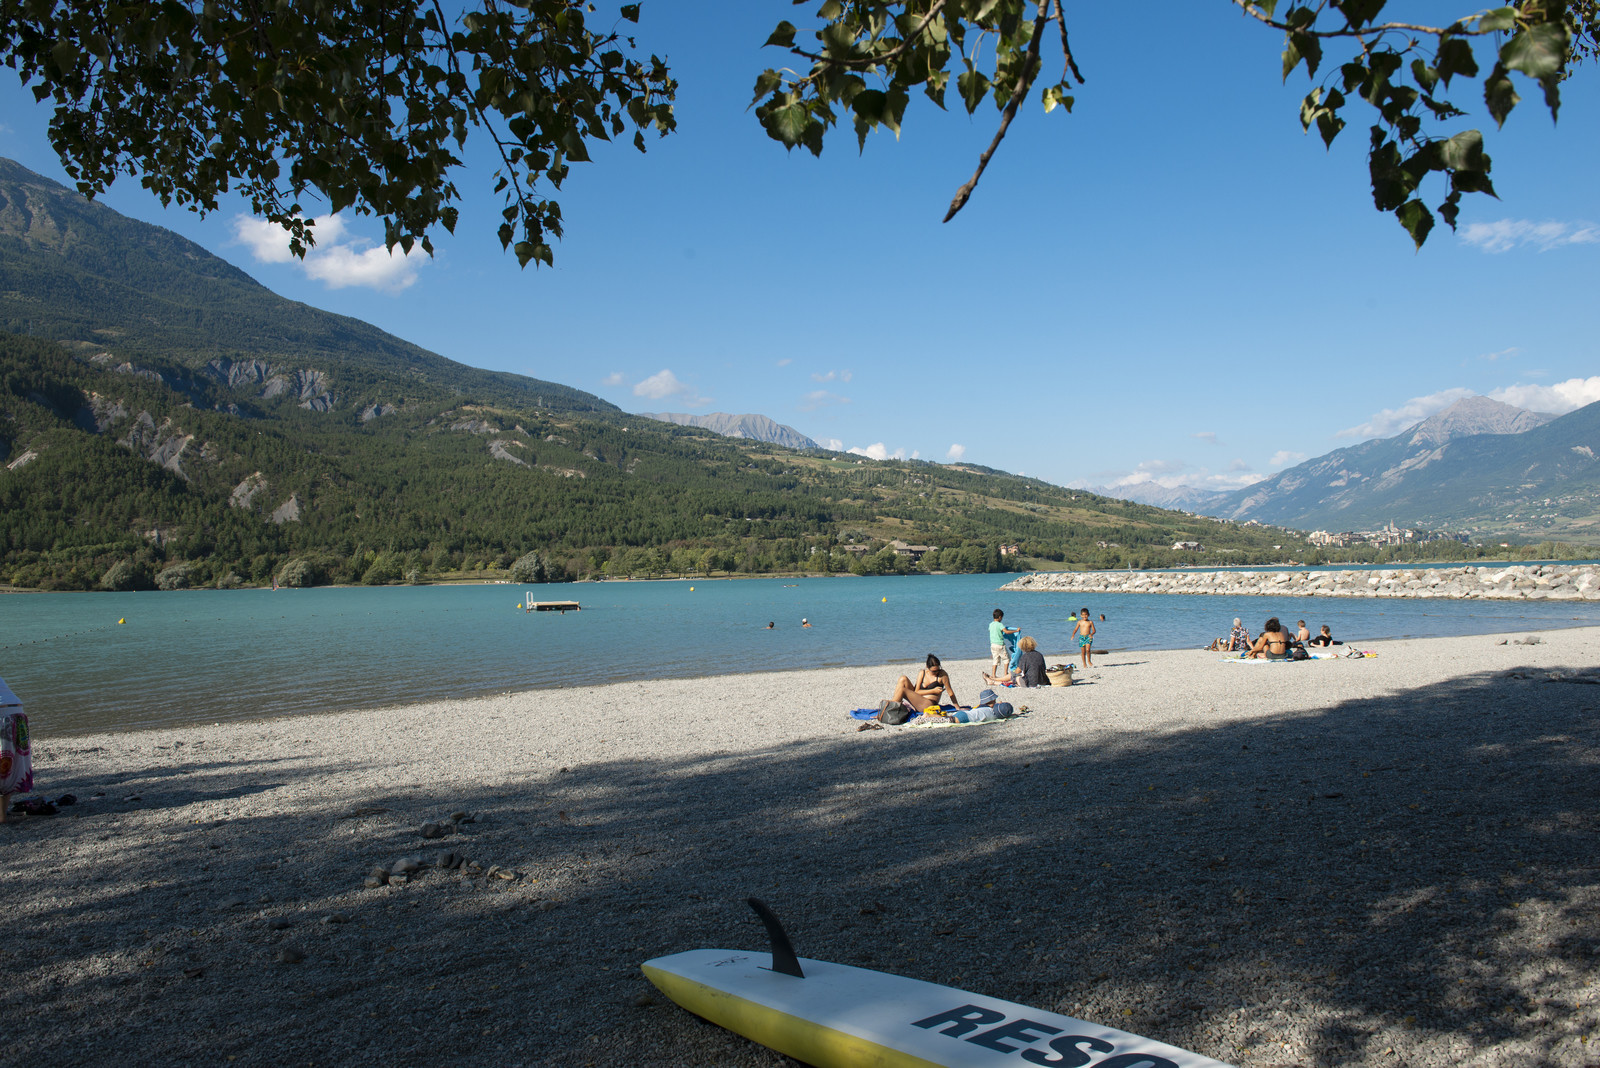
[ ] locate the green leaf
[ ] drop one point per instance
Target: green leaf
(766, 82)
(869, 106)
(1473, 182)
(1455, 57)
(973, 86)
(1450, 208)
(1500, 95)
(783, 36)
(1417, 219)
(787, 124)
(1425, 75)
(1498, 19)
(1539, 51)
(1464, 152)
(630, 12)
(1358, 13)
(1301, 46)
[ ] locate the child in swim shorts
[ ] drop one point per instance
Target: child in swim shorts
(1085, 633)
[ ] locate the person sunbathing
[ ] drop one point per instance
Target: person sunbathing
(1273, 643)
(932, 683)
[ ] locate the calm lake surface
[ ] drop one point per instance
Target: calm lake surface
(208, 656)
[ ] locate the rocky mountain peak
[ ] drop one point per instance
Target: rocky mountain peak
(1474, 415)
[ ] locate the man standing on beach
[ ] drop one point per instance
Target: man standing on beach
(1000, 661)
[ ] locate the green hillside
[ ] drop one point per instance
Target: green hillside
(168, 421)
(76, 271)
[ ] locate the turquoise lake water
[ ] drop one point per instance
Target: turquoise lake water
(208, 656)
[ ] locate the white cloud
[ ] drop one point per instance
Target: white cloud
(1284, 457)
(613, 379)
(1503, 235)
(1560, 398)
(267, 242)
(664, 384)
(956, 453)
(820, 398)
(1391, 421)
(1207, 436)
(916, 454)
(1503, 354)
(1171, 474)
(833, 376)
(880, 451)
(785, 362)
(337, 259)
(832, 444)
(373, 268)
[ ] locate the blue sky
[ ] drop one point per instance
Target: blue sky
(1172, 282)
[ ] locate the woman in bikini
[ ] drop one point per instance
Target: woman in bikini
(1273, 643)
(932, 682)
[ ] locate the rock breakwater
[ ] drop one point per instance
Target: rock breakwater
(1494, 582)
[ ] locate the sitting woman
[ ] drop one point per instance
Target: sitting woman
(1273, 643)
(1238, 637)
(1325, 638)
(932, 682)
(1029, 668)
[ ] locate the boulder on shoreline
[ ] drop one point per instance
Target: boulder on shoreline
(1516, 582)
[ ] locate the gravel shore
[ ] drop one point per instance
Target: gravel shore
(1387, 861)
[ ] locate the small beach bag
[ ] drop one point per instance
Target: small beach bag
(16, 753)
(1060, 675)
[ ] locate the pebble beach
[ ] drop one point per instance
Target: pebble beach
(1381, 861)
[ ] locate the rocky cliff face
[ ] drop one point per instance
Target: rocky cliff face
(754, 427)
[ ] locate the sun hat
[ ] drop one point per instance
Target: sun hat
(987, 697)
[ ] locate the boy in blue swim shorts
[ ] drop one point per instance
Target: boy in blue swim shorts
(1085, 633)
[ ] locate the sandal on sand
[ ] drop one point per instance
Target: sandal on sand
(869, 725)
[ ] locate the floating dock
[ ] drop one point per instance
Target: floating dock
(531, 605)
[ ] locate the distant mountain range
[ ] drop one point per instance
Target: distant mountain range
(751, 427)
(1479, 466)
(1182, 498)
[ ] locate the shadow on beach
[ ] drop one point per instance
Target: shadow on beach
(1415, 874)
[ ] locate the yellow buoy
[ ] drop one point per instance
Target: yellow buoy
(886, 600)
(691, 589)
(120, 622)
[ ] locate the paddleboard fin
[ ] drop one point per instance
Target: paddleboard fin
(783, 958)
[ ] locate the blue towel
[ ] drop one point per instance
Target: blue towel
(872, 713)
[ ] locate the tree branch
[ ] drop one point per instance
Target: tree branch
(1066, 48)
(1030, 67)
(872, 61)
(1454, 30)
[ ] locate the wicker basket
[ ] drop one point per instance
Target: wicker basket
(1060, 675)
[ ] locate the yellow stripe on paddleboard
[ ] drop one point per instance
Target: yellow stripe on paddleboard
(804, 1040)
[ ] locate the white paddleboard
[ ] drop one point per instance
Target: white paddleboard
(843, 1017)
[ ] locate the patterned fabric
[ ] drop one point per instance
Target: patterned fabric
(16, 760)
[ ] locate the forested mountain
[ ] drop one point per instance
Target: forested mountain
(1479, 465)
(79, 272)
(170, 422)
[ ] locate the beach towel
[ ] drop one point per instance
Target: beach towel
(872, 713)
